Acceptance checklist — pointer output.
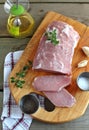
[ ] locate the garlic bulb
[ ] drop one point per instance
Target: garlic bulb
(83, 63)
(86, 50)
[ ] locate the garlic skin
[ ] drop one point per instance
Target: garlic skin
(83, 63)
(86, 50)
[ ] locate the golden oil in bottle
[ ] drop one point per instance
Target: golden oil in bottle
(20, 23)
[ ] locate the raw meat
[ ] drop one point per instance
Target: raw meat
(51, 83)
(61, 99)
(53, 86)
(56, 58)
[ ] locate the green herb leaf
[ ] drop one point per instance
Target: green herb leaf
(19, 83)
(12, 79)
(25, 68)
(52, 36)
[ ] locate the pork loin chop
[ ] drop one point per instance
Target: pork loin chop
(61, 99)
(51, 82)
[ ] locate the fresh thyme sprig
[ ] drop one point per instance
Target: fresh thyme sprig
(18, 81)
(52, 36)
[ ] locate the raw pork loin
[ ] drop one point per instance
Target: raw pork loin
(51, 83)
(57, 58)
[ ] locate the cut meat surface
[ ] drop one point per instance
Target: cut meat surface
(56, 58)
(53, 88)
(61, 99)
(51, 83)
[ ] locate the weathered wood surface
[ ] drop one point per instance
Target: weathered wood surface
(76, 9)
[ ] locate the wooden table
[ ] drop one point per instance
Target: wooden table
(76, 9)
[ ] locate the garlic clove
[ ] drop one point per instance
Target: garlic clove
(86, 50)
(83, 63)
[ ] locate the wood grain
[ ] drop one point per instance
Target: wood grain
(59, 114)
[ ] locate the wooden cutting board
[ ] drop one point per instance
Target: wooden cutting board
(82, 98)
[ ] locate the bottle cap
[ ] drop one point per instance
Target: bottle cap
(17, 10)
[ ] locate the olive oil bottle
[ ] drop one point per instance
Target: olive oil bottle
(20, 23)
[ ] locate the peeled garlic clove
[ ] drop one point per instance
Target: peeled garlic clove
(82, 63)
(86, 50)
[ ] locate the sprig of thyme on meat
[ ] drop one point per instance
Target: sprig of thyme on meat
(52, 36)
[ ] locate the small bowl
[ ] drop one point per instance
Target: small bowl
(83, 81)
(29, 104)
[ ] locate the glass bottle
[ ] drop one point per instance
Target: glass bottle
(9, 3)
(20, 23)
